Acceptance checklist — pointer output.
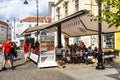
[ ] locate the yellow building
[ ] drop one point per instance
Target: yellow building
(117, 41)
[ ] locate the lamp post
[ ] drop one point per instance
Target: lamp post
(14, 22)
(14, 29)
(36, 14)
(100, 60)
(7, 33)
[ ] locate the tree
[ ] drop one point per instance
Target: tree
(111, 13)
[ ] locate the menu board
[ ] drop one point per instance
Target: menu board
(47, 52)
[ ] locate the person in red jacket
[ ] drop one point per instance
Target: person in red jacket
(26, 51)
(6, 54)
(37, 48)
(1, 47)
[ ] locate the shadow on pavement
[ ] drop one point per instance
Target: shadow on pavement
(114, 76)
(2, 70)
(17, 59)
(19, 65)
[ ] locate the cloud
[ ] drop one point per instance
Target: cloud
(16, 8)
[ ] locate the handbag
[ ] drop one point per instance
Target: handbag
(16, 54)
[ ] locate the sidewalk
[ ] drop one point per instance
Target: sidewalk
(117, 59)
(88, 72)
(29, 71)
(1, 58)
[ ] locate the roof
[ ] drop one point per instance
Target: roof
(4, 23)
(77, 24)
(40, 19)
(49, 25)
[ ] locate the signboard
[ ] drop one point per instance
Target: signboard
(43, 52)
(47, 52)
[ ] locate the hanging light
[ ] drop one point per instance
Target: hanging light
(25, 2)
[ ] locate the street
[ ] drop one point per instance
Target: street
(29, 71)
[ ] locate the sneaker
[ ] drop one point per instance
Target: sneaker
(4, 68)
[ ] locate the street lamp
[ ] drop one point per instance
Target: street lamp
(100, 60)
(7, 33)
(14, 22)
(26, 2)
(37, 14)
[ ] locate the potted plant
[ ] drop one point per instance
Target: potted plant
(116, 52)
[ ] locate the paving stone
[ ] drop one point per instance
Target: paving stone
(29, 71)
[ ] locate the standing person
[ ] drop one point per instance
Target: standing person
(6, 54)
(37, 48)
(26, 50)
(13, 51)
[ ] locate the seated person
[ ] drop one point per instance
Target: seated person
(74, 56)
(67, 56)
(90, 50)
(95, 52)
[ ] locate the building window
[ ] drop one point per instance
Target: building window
(107, 6)
(58, 12)
(108, 40)
(76, 5)
(2, 30)
(65, 5)
(30, 25)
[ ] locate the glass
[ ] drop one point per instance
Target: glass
(108, 40)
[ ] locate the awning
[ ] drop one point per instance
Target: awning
(77, 24)
(82, 26)
(54, 24)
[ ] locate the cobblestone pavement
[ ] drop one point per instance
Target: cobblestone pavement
(1, 58)
(29, 71)
(116, 64)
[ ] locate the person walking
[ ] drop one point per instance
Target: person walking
(26, 51)
(6, 54)
(13, 51)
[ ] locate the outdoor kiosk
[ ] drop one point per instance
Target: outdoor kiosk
(46, 56)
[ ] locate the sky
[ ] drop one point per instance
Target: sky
(17, 9)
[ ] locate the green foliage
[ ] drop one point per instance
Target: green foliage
(116, 51)
(111, 14)
(93, 18)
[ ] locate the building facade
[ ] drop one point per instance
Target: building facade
(63, 8)
(5, 31)
(19, 27)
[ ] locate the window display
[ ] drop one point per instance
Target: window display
(47, 43)
(108, 40)
(47, 53)
(42, 51)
